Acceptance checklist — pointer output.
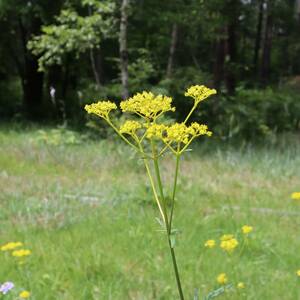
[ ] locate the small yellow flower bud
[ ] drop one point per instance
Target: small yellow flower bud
(295, 196)
(241, 285)
(210, 244)
(24, 295)
(222, 278)
(247, 229)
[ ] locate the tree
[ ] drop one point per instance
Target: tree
(267, 45)
(258, 35)
(297, 8)
(72, 33)
(173, 45)
(123, 48)
(24, 19)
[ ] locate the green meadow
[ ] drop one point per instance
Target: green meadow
(87, 214)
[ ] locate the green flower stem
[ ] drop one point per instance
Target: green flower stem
(160, 187)
(154, 191)
(190, 113)
(152, 184)
(174, 189)
(167, 224)
(121, 135)
(176, 270)
(190, 141)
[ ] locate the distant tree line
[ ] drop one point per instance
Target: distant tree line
(57, 54)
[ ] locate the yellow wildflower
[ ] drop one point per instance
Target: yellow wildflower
(178, 133)
(101, 108)
(222, 278)
(229, 245)
(226, 237)
(147, 105)
(24, 295)
(247, 229)
(210, 244)
(130, 127)
(298, 272)
(156, 130)
(197, 129)
(21, 253)
(11, 246)
(295, 196)
(199, 92)
(241, 285)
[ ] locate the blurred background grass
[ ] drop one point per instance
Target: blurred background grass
(85, 210)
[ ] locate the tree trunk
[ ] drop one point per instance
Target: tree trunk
(219, 60)
(258, 36)
(231, 47)
(32, 89)
(267, 47)
(99, 65)
(93, 61)
(123, 48)
(230, 68)
(173, 44)
(94, 68)
(297, 9)
(32, 79)
(54, 87)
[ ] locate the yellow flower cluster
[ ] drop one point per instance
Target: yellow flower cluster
(210, 244)
(24, 295)
(130, 127)
(295, 196)
(21, 253)
(199, 92)
(178, 132)
(156, 131)
(246, 229)
(147, 105)
(197, 129)
(222, 278)
(101, 108)
(226, 237)
(11, 246)
(150, 107)
(241, 285)
(298, 273)
(228, 243)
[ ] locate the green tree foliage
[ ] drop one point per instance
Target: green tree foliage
(247, 49)
(73, 33)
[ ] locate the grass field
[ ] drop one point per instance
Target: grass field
(86, 213)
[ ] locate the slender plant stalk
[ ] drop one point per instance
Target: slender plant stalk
(174, 190)
(152, 183)
(176, 270)
(160, 187)
(190, 113)
(121, 135)
(167, 224)
(154, 191)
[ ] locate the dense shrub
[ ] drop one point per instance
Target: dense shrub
(253, 113)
